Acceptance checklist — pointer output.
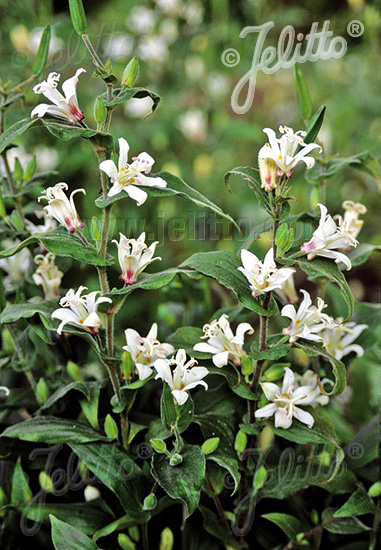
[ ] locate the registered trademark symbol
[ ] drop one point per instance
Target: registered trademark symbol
(355, 28)
(355, 451)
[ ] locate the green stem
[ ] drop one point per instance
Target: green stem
(97, 62)
(21, 356)
(179, 441)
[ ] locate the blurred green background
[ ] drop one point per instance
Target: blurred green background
(195, 133)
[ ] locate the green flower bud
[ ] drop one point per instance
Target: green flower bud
(45, 481)
(125, 542)
(210, 445)
(100, 110)
(175, 459)
(74, 371)
(150, 502)
(159, 445)
(111, 427)
(240, 441)
(167, 540)
(42, 391)
(130, 73)
(78, 17)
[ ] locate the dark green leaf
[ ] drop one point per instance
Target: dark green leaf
(184, 480)
(185, 414)
(314, 126)
(338, 368)
(175, 186)
(15, 130)
(223, 266)
(324, 267)
(66, 537)
(118, 525)
(185, 338)
(342, 526)
(43, 52)
(359, 503)
(14, 312)
(117, 471)
(124, 94)
(271, 353)
(213, 526)
(167, 407)
(84, 516)
(290, 525)
(251, 175)
(236, 384)
(304, 98)
(229, 464)
(60, 242)
(20, 492)
(48, 429)
(321, 432)
(64, 131)
(82, 387)
(361, 253)
(222, 426)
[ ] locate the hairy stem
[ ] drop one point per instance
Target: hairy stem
(21, 356)
(97, 62)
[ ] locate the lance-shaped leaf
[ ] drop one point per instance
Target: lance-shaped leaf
(14, 312)
(42, 52)
(251, 176)
(175, 186)
(78, 17)
(124, 94)
(17, 129)
(183, 481)
(100, 140)
(313, 349)
(304, 98)
(314, 126)
(324, 267)
(223, 266)
(61, 243)
(67, 537)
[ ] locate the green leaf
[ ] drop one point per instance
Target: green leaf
(185, 338)
(361, 253)
(321, 432)
(66, 537)
(14, 312)
(271, 354)
(359, 503)
(20, 492)
(43, 52)
(101, 140)
(338, 368)
(212, 525)
(210, 445)
(324, 267)
(49, 429)
(124, 94)
(167, 407)
(11, 100)
(145, 281)
(304, 98)
(80, 386)
(229, 464)
(17, 129)
(223, 266)
(118, 525)
(78, 17)
(314, 126)
(89, 406)
(342, 526)
(238, 386)
(111, 427)
(60, 242)
(251, 176)
(84, 516)
(183, 481)
(290, 525)
(185, 414)
(117, 471)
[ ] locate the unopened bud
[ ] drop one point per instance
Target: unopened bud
(130, 73)
(167, 540)
(100, 110)
(46, 482)
(91, 493)
(125, 542)
(150, 502)
(267, 171)
(175, 459)
(42, 391)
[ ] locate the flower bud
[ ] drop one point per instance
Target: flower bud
(100, 111)
(150, 502)
(167, 539)
(111, 427)
(42, 391)
(159, 445)
(46, 482)
(91, 493)
(175, 459)
(130, 73)
(267, 171)
(125, 542)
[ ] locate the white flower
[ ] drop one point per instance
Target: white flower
(126, 175)
(181, 379)
(268, 172)
(284, 401)
(49, 222)
(61, 208)
(308, 320)
(15, 266)
(338, 340)
(5, 390)
(48, 275)
(327, 237)
(222, 343)
(263, 277)
(310, 378)
(287, 293)
(283, 151)
(134, 256)
(64, 106)
(351, 217)
(82, 310)
(145, 351)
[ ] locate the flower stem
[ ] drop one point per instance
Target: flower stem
(21, 356)
(97, 62)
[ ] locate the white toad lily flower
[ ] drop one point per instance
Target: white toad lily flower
(222, 343)
(49, 222)
(338, 341)
(80, 311)
(284, 401)
(129, 176)
(183, 378)
(287, 293)
(48, 275)
(62, 208)
(310, 378)
(145, 351)
(134, 256)
(308, 321)
(263, 277)
(351, 218)
(328, 237)
(63, 106)
(283, 151)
